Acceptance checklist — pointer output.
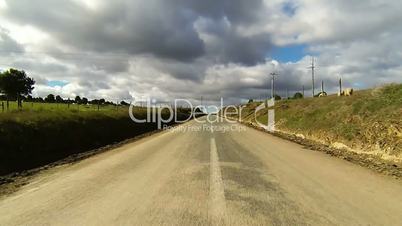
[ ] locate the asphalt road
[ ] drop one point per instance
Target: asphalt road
(203, 177)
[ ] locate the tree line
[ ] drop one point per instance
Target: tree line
(51, 98)
(16, 85)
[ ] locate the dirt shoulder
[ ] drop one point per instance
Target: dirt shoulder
(375, 163)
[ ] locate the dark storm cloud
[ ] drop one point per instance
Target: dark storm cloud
(182, 70)
(94, 85)
(163, 28)
(39, 67)
(226, 44)
(243, 50)
(236, 11)
(120, 26)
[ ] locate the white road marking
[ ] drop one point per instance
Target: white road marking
(217, 194)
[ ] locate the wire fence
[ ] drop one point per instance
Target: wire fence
(37, 106)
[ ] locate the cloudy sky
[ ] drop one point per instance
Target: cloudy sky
(166, 49)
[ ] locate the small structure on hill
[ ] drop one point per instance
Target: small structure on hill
(322, 93)
(347, 92)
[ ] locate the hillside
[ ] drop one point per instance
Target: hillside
(370, 121)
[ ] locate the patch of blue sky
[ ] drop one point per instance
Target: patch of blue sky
(289, 8)
(55, 83)
(290, 53)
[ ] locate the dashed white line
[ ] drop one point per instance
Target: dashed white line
(217, 194)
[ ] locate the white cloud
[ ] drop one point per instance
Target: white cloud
(3, 4)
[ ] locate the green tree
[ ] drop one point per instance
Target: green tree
(50, 98)
(298, 96)
(15, 84)
(59, 99)
(30, 98)
(84, 101)
(124, 103)
(277, 97)
(78, 100)
(95, 101)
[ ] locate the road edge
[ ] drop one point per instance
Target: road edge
(371, 162)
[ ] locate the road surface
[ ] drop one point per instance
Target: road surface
(207, 177)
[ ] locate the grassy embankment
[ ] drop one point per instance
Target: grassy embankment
(369, 121)
(47, 133)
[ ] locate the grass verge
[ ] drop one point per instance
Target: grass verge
(30, 139)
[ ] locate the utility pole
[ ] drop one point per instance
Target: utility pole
(303, 91)
(340, 86)
(312, 67)
(273, 74)
(322, 86)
